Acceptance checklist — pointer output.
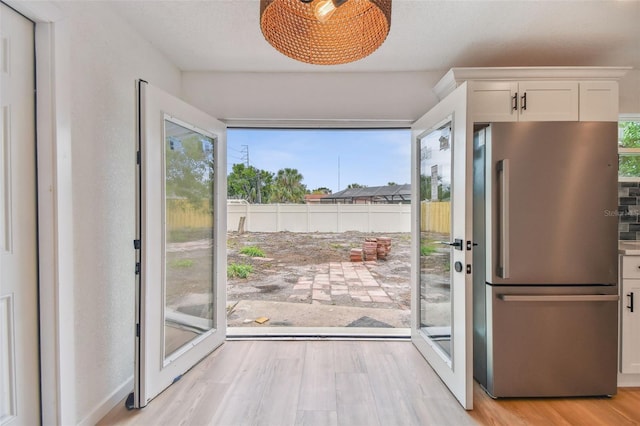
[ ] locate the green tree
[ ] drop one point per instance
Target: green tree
(629, 165)
(355, 185)
(321, 190)
(288, 187)
(189, 169)
(249, 183)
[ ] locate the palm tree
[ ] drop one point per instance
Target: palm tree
(288, 187)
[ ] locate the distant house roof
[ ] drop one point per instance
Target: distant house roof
(372, 194)
(311, 198)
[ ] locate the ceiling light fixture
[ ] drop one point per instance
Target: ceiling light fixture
(325, 32)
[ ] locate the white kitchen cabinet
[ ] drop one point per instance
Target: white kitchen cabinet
(498, 101)
(630, 315)
(494, 101)
(598, 101)
(548, 101)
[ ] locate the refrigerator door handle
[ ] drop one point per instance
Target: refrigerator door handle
(559, 298)
(503, 228)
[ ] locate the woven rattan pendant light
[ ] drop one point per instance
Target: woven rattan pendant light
(355, 30)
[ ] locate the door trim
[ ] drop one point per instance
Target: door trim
(55, 220)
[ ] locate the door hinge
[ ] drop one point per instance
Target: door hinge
(137, 268)
(137, 330)
(136, 244)
(468, 268)
(138, 157)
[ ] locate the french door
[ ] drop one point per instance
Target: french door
(19, 361)
(441, 312)
(181, 314)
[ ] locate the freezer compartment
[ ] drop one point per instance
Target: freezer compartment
(545, 341)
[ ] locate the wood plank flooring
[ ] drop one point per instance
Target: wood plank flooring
(347, 383)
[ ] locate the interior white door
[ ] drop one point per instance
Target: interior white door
(441, 326)
(181, 314)
(19, 363)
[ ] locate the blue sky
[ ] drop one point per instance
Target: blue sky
(367, 157)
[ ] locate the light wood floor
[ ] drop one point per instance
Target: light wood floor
(347, 383)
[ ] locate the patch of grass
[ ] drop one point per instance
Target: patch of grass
(336, 246)
(182, 235)
(239, 270)
(426, 250)
(252, 251)
(181, 263)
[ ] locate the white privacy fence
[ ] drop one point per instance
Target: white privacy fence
(320, 218)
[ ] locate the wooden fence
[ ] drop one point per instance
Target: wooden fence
(435, 216)
(182, 214)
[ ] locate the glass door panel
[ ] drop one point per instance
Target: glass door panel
(181, 276)
(441, 289)
(435, 236)
(189, 284)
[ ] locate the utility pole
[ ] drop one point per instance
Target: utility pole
(338, 173)
(245, 154)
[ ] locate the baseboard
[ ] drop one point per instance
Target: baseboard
(108, 403)
(628, 380)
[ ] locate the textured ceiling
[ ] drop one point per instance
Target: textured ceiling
(224, 35)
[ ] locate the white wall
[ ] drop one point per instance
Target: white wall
(314, 96)
(107, 56)
(320, 218)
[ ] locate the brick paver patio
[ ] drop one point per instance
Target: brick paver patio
(337, 281)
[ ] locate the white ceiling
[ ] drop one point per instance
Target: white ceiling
(426, 35)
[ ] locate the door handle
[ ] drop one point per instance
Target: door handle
(457, 243)
(503, 228)
(559, 298)
(514, 102)
(630, 305)
(523, 102)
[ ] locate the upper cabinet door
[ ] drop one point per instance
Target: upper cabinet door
(181, 315)
(504, 101)
(599, 101)
(548, 101)
(493, 101)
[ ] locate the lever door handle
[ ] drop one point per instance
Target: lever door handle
(457, 243)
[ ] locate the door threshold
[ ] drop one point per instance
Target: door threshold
(318, 333)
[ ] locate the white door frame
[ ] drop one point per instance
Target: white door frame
(55, 211)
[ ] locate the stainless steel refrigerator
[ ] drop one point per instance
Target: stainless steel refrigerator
(545, 265)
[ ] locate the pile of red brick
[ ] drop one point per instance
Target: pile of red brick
(356, 255)
(384, 247)
(372, 249)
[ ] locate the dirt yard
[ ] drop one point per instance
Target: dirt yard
(292, 256)
(305, 279)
